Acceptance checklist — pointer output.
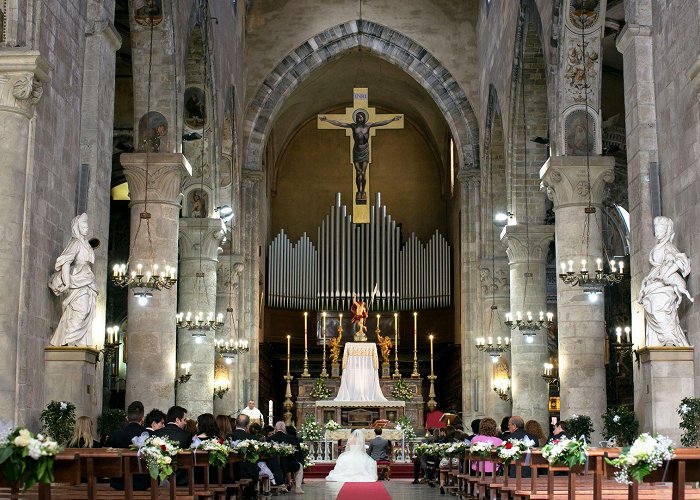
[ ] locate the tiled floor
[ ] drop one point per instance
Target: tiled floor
(315, 489)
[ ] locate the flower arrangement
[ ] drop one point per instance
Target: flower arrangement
(511, 450)
(689, 411)
(646, 454)
(58, 420)
(280, 449)
(249, 449)
(482, 448)
(429, 449)
(218, 450)
(111, 420)
(158, 453)
(566, 451)
(453, 449)
(26, 459)
(580, 425)
(332, 425)
(621, 425)
(310, 429)
(401, 391)
(403, 423)
(306, 452)
(319, 390)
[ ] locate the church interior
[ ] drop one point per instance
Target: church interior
(496, 197)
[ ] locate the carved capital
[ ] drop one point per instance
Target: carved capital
(569, 181)
(251, 178)
(165, 173)
(22, 77)
(496, 283)
(518, 238)
(469, 177)
(229, 274)
(628, 33)
(105, 28)
(200, 237)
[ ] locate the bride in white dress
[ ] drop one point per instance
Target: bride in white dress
(354, 465)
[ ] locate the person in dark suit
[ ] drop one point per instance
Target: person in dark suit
(122, 439)
(155, 419)
(174, 430)
(245, 470)
(379, 448)
(293, 464)
(516, 428)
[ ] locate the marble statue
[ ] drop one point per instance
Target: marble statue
(74, 280)
(663, 288)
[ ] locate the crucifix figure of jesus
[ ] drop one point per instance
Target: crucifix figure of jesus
(361, 122)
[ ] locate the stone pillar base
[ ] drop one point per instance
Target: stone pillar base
(667, 375)
(71, 375)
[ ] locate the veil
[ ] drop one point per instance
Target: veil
(357, 438)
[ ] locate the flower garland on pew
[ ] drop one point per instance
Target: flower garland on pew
(566, 451)
(218, 450)
(646, 454)
(306, 453)
(253, 451)
(26, 459)
(483, 449)
(511, 450)
(158, 453)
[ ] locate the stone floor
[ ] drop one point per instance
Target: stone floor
(315, 489)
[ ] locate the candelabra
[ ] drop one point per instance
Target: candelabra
(432, 404)
(493, 350)
(397, 373)
(226, 349)
(592, 284)
(501, 386)
(141, 281)
(620, 346)
(287, 405)
(415, 373)
(184, 377)
(305, 373)
(324, 373)
(198, 323)
(112, 344)
(529, 326)
(549, 375)
(221, 390)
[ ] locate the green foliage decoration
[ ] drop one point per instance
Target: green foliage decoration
(620, 423)
(58, 421)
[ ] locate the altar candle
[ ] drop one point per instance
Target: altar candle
(618, 333)
(324, 334)
(306, 315)
(396, 333)
(628, 337)
(415, 331)
(269, 413)
(289, 337)
(431, 353)
(378, 321)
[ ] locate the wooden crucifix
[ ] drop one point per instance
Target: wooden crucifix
(361, 122)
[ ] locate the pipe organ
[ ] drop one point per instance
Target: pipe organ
(356, 258)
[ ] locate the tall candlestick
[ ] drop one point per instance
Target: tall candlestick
(305, 373)
(306, 339)
(324, 373)
(269, 413)
(289, 337)
(415, 373)
(431, 354)
(397, 374)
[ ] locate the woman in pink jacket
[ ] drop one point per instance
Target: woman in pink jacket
(488, 433)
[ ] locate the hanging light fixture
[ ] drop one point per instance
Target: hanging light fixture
(523, 320)
(592, 284)
(142, 279)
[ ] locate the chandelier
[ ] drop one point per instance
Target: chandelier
(501, 386)
(144, 280)
(488, 346)
(550, 374)
(592, 283)
(527, 325)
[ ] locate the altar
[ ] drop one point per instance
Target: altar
(360, 380)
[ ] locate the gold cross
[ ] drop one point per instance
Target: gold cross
(360, 133)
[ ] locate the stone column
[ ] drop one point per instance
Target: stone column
(530, 391)
(199, 249)
(581, 324)
(228, 296)
(151, 337)
(22, 76)
(469, 308)
(253, 228)
(495, 290)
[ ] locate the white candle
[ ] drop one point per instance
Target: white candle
(583, 265)
(621, 265)
(618, 333)
(431, 353)
(415, 331)
(599, 264)
(378, 321)
(289, 338)
(628, 337)
(306, 315)
(563, 267)
(269, 413)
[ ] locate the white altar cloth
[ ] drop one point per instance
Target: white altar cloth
(360, 379)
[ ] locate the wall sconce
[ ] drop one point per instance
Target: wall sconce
(184, 377)
(549, 374)
(501, 386)
(221, 389)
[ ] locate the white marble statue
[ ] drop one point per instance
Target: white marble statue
(663, 288)
(74, 280)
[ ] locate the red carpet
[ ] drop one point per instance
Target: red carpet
(366, 491)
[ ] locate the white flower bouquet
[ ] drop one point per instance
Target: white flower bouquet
(158, 453)
(646, 454)
(566, 451)
(453, 449)
(332, 425)
(249, 449)
(511, 450)
(482, 448)
(26, 459)
(218, 450)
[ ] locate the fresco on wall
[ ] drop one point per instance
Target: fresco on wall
(153, 130)
(579, 138)
(584, 14)
(197, 202)
(148, 12)
(195, 109)
(581, 70)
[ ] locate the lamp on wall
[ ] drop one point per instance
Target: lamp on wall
(501, 386)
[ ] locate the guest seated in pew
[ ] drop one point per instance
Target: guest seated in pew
(223, 423)
(122, 439)
(488, 433)
(290, 465)
(505, 433)
(559, 431)
(206, 429)
(83, 435)
(533, 428)
(175, 431)
(155, 419)
(516, 428)
(245, 470)
(445, 463)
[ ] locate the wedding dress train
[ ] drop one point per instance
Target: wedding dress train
(354, 465)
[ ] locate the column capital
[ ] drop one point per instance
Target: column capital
(567, 180)
(251, 177)
(516, 239)
(469, 176)
(628, 33)
(23, 74)
(200, 234)
(105, 28)
(165, 172)
(498, 283)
